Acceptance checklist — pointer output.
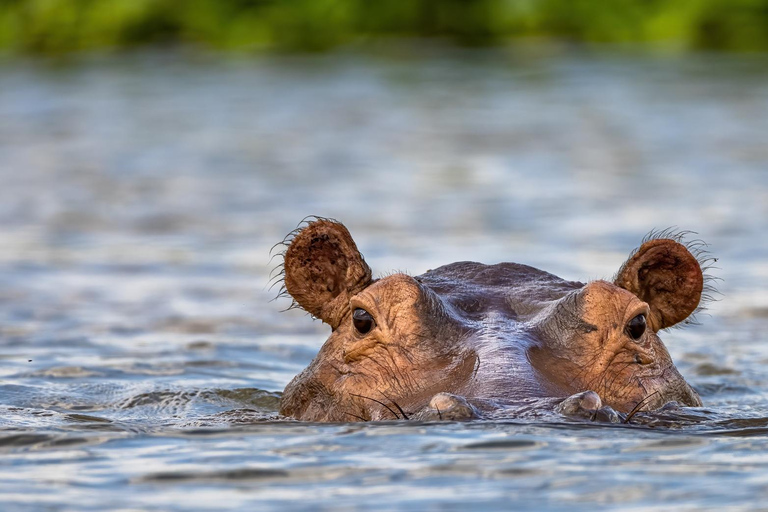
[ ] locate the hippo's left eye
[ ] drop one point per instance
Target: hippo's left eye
(636, 327)
(362, 320)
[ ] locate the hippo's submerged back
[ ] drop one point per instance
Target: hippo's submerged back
(468, 338)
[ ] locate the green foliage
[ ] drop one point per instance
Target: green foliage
(60, 26)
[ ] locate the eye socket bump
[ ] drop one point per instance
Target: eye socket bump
(636, 327)
(363, 321)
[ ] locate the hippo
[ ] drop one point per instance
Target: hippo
(468, 340)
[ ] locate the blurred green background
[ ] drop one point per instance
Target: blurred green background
(64, 26)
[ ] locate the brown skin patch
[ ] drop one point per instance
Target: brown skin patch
(495, 335)
(388, 372)
(605, 358)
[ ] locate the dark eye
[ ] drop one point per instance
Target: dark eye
(362, 320)
(636, 327)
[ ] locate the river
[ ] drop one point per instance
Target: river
(142, 353)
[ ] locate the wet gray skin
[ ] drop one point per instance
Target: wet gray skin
(469, 340)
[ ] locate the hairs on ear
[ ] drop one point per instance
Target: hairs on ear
(277, 275)
(699, 249)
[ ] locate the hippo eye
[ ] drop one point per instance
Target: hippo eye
(636, 327)
(362, 320)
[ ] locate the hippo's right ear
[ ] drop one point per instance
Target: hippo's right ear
(663, 273)
(324, 269)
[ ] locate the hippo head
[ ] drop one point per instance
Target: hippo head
(497, 335)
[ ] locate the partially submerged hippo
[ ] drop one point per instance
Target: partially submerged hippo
(468, 340)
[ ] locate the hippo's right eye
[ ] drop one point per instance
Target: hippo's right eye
(636, 327)
(362, 320)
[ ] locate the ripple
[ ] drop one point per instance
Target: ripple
(66, 372)
(213, 476)
(709, 369)
(49, 441)
(234, 417)
(84, 418)
(715, 389)
(505, 444)
(16, 440)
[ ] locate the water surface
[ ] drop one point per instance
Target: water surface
(142, 359)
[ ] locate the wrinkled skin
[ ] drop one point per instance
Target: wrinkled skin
(468, 340)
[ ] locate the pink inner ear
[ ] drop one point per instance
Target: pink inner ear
(668, 277)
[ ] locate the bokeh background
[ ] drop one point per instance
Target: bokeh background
(59, 26)
(153, 152)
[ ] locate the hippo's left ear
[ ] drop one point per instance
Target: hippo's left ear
(323, 270)
(668, 277)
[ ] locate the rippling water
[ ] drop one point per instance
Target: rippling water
(142, 359)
